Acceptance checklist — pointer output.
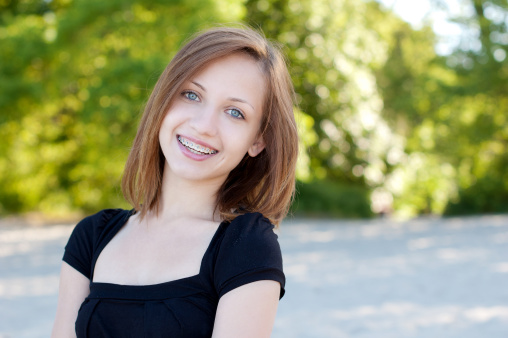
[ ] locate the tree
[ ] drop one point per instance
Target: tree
(74, 77)
(453, 115)
(339, 52)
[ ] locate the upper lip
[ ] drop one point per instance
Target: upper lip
(198, 142)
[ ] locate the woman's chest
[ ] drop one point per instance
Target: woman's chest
(128, 316)
(144, 257)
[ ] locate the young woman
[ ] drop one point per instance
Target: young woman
(211, 169)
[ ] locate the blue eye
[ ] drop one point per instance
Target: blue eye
(191, 95)
(235, 113)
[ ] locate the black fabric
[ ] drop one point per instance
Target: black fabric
(240, 252)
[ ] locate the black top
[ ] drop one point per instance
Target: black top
(242, 251)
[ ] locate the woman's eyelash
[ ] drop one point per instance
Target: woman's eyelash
(235, 113)
(191, 95)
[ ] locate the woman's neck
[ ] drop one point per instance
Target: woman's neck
(182, 198)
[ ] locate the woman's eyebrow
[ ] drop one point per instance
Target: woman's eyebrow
(240, 100)
(200, 86)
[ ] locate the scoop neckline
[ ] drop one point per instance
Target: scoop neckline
(146, 286)
(117, 228)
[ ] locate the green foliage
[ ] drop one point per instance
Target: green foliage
(452, 112)
(487, 195)
(330, 199)
(383, 120)
(74, 79)
(334, 49)
(316, 35)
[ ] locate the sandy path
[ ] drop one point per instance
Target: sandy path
(423, 278)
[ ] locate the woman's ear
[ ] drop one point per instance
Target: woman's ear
(257, 147)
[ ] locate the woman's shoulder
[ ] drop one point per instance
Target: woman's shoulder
(249, 233)
(87, 234)
(93, 225)
(249, 251)
(250, 226)
(102, 217)
(251, 222)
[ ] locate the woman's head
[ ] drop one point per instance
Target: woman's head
(263, 183)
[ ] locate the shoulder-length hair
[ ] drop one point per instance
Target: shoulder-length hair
(264, 183)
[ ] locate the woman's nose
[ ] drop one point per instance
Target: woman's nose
(205, 121)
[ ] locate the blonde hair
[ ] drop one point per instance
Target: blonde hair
(264, 183)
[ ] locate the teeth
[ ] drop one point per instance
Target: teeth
(195, 148)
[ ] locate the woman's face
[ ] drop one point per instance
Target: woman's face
(215, 120)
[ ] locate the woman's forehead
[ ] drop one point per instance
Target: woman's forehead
(238, 75)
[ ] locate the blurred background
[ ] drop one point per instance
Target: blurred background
(402, 111)
(402, 105)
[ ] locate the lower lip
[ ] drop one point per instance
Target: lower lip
(191, 155)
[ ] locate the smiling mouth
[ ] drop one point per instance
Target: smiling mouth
(195, 148)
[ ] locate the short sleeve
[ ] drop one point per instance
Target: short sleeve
(83, 241)
(249, 252)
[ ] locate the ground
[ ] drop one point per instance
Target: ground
(377, 278)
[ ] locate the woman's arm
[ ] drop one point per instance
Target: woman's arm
(73, 289)
(247, 311)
